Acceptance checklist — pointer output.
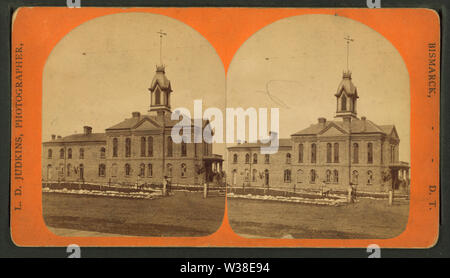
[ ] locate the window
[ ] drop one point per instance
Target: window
(369, 177)
(61, 153)
(49, 154)
(81, 153)
(355, 153)
(101, 170)
(183, 170)
(128, 147)
(369, 153)
(300, 153)
(149, 170)
(157, 96)
(142, 170)
(312, 176)
(267, 158)
(247, 175)
(235, 158)
(255, 158)
(169, 146)
(313, 153)
(336, 152)
(114, 170)
(343, 103)
(299, 175)
(143, 146)
(335, 176)
(328, 175)
(288, 158)
(150, 146)
(69, 169)
(355, 177)
(329, 152)
(127, 170)
(115, 146)
(254, 175)
(287, 175)
(102, 153)
(169, 170)
(61, 169)
(247, 158)
(183, 149)
(392, 154)
(69, 153)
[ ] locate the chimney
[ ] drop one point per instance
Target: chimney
(87, 130)
(136, 114)
(322, 122)
(363, 118)
(53, 136)
(364, 122)
(59, 137)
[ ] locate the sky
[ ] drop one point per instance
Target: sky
(100, 72)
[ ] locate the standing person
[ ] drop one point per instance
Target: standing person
(350, 193)
(164, 189)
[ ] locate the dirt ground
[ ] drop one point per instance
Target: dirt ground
(183, 214)
(368, 218)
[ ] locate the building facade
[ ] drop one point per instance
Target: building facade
(338, 152)
(139, 149)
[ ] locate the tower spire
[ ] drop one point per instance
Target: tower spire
(348, 39)
(161, 34)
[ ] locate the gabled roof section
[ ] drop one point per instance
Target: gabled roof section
(330, 125)
(160, 80)
(92, 137)
(282, 142)
(347, 86)
(390, 130)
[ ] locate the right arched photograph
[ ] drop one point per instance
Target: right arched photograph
(341, 169)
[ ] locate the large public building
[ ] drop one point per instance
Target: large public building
(340, 152)
(137, 150)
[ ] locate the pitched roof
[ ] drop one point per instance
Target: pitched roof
(161, 80)
(131, 123)
(357, 126)
(282, 142)
(347, 85)
(93, 137)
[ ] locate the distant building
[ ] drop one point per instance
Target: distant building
(336, 152)
(138, 149)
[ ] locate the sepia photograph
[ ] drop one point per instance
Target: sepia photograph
(341, 170)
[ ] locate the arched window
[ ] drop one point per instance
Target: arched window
(101, 170)
(142, 170)
(49, 172)
(183, 170)
(169, 170)
(267, 158)
(102, 153)
(127, 170)
(115, 147)
(143, 146)
(69, 153)
(157, 96)
(49, 154)
(288, 158)
(69, 169)
(299, 175)
(369, 177)
(150, 146)
(312, 176)
(392, 154)
(183, 148)
(149, 170)
(355, 153)
(128, 147)
(61, 153)
(335, 176)
(247, 158)
(313, 153)
(343, 103)
(255, 158)
(169, 146)
(329, 152)
(287, 175)
(328, 175)
(254, 175)
(81, 153)
(247, 175)
(235, 158)
(336, 152)
(81, 167)
(369, 153)
(355, 177)
(300, 153)
(61, 169)
(114, 170)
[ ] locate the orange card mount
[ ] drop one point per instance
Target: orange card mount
(86, 170)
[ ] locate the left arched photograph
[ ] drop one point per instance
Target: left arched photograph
(110, 163)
